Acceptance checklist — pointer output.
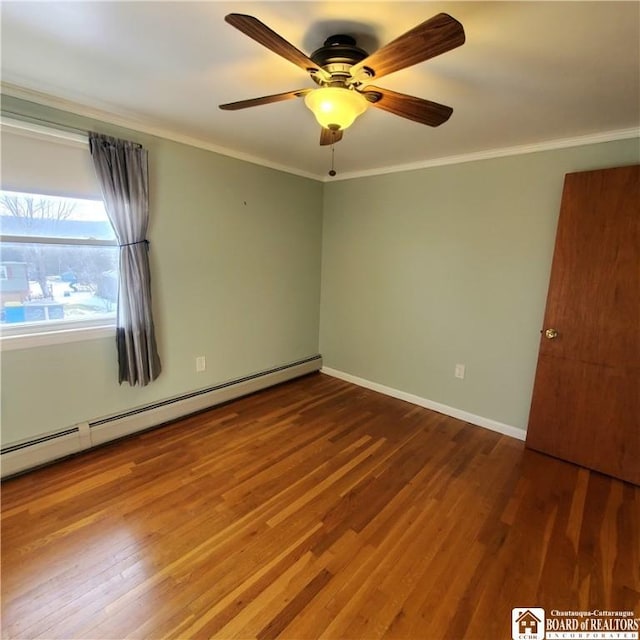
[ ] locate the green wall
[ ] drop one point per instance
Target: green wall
(420, 270)
(425, 269)
(235, 257)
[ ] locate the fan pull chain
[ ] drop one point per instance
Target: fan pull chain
(333, 171)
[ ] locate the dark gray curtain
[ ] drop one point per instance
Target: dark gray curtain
(123, 173)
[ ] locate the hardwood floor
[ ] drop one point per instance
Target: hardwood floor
(313, 509)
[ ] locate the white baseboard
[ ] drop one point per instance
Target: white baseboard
(118, 426)
(21, 456)
(486, 423)
(40, 453)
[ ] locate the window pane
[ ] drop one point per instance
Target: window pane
(47, 282)
(33, 215)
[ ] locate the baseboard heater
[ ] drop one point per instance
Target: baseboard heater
(20, 456)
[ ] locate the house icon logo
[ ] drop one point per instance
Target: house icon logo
(527, 624)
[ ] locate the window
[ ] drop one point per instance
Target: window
(58, 251)
(60, 258)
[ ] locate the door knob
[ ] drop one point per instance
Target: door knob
(551, 334)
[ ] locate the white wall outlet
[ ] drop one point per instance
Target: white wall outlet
(201, 364)
(458, 372)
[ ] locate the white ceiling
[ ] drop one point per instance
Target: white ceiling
(529, 73)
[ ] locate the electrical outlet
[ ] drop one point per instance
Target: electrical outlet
(459, 371)
(201, 364)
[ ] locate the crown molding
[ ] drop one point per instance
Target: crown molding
(130, 121)
(490, 154)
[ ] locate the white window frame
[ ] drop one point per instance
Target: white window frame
(37, 334)
(65, 332)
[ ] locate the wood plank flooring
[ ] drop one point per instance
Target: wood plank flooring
(313, 509)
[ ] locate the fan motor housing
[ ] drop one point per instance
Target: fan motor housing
(338, 54)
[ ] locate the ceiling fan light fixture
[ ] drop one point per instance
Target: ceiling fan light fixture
(336, 108)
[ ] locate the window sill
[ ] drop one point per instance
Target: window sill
(31, 339)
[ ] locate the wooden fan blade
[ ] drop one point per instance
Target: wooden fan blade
(256, 102)
(410, 107)
(268, 38)
(429, 39)
(329, 136)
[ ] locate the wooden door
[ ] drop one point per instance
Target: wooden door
(585, 405)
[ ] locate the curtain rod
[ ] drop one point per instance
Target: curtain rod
(41, 121)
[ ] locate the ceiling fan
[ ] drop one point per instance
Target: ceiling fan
(343, 72)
